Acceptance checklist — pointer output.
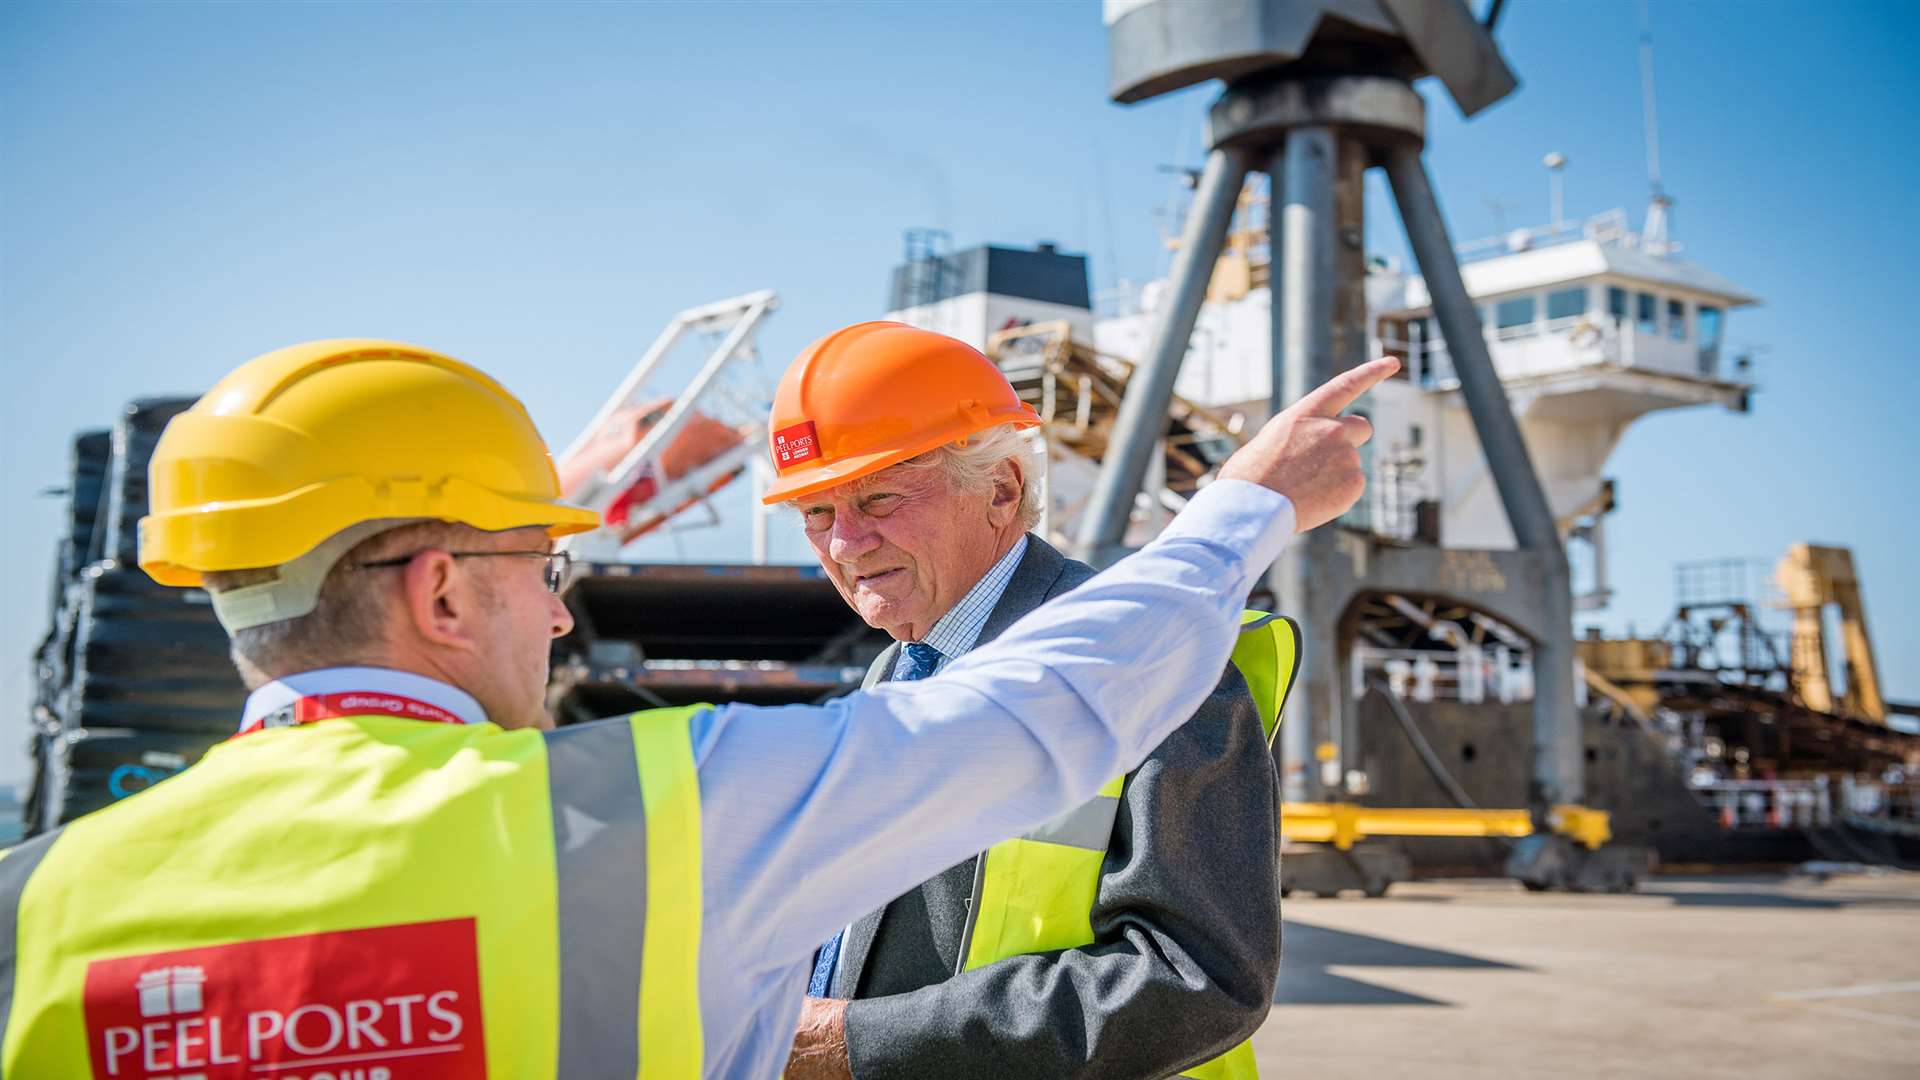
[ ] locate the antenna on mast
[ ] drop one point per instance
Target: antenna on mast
(1556, 164)
(1653, 235)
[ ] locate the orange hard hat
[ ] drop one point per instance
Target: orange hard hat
(875, 394)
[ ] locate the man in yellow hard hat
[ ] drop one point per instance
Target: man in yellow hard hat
(393, 871)
(1138, 935)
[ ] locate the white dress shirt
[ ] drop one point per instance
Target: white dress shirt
(816, 814)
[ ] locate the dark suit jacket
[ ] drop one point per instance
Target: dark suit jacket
(1186, 947)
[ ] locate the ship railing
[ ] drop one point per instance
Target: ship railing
(1564, 344)
(1881, 800)
(1424, 363)
(1767, 804)
(1473, 674)
(1610, 228)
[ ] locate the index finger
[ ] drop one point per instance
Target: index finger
(1345, 388)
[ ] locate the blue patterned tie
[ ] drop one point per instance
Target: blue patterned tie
(921, 660)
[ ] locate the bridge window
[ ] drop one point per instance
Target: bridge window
(1709, 320)
(1517, 312)
(1566, 304)
(1617, 303)
(1647, 313)
(1676, 320)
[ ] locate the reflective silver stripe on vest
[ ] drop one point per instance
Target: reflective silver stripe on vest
(600, 865)
(1089, 825)
(16, 866)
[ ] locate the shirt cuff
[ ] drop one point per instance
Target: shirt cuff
(1254, 521)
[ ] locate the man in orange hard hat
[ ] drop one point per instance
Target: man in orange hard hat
(394, 865)
(1147, 940)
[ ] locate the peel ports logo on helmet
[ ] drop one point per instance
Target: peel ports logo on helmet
(386, 1003)
(793, 445)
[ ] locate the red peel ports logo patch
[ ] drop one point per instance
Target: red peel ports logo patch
(793, 445)
(387, 1003)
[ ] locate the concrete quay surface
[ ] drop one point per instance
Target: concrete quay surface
(1776, 976)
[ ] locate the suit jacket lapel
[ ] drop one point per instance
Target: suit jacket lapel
(881, 670)
(1028, 588)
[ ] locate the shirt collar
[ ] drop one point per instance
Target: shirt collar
(956, 632)
(282, 693)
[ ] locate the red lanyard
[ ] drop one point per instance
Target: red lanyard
(317, 707)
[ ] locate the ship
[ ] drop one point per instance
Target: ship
(1728, 736)
(1722, 739)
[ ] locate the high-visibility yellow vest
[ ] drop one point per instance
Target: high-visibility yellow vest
(371, 898)
(1037, 891)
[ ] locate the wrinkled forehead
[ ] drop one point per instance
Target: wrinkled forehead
(914, 474)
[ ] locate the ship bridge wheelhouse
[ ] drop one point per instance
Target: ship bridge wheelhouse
(1592, 327)
(1589, 327)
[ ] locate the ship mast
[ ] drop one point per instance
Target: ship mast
(1654, 234)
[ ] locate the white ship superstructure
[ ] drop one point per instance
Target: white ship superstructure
(1590, 327)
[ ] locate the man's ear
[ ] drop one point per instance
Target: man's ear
(439, 602)
(1008, 478)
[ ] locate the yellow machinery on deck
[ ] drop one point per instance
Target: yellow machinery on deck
(1344, 824)
(1323, 850)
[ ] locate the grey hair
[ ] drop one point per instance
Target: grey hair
(348, 624)
(970, 465)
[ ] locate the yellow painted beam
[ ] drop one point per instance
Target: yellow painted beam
(1343, 824)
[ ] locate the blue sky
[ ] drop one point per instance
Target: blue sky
(537, 188)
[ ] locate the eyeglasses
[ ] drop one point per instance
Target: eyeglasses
(559, 563)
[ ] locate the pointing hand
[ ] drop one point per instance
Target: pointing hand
(1310, 453)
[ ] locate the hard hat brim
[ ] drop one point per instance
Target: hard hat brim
(831, 474)
(178, 548)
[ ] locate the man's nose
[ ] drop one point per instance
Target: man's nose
(853, 537)
(560, 620)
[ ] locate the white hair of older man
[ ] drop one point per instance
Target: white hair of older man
(970, 466)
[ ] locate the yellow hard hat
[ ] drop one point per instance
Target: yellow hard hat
(295, 446)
